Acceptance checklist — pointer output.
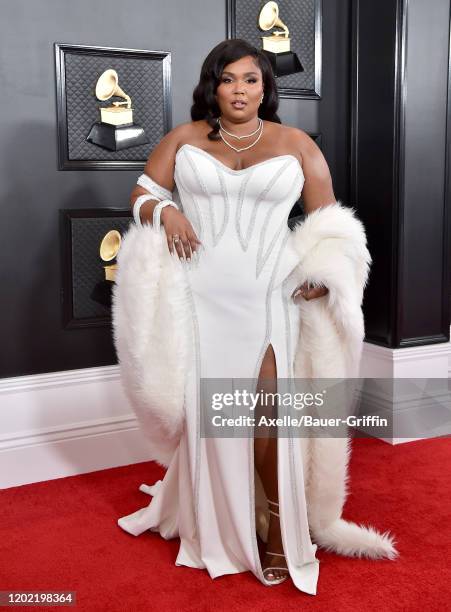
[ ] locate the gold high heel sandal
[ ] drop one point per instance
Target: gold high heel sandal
(271, 568)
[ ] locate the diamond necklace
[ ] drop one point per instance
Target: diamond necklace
(243, 148)
(260, 122)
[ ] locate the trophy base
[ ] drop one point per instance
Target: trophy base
(284, 63)
(117, 137)
(103, 294)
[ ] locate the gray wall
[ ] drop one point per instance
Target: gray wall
(32, 190)
(400, 179)
(424, 282)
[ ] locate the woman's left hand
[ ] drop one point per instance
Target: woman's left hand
(309, 293)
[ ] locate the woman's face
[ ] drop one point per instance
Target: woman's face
(240, 81)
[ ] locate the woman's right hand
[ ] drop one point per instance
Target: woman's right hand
(175, 222)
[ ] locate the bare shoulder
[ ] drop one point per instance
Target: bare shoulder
(295, 140)
(160, 165)
(302, 142)
(318, 189)
(172, 138)
(185, 132)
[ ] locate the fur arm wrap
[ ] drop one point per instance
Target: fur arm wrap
(152, 331)
(331, 244)
(152, 325)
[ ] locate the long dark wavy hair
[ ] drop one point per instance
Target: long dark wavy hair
(226, 52)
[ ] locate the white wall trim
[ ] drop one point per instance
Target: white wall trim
(427, 361)
(425, 411)
(77, 421)
(66, 423)
(54, 379)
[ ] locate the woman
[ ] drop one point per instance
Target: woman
(236, 308)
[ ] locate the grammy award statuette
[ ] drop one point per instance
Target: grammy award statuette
(277, 46)
(115, 130)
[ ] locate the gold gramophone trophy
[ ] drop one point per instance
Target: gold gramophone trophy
(109, 248)
(115, 130)
(277, 46)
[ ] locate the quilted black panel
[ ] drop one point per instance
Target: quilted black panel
(299, 17)
(140, 78)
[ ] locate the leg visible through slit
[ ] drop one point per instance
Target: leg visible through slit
(265, 457)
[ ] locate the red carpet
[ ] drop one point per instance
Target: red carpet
(62, 535)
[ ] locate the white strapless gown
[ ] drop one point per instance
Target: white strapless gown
(241, 295)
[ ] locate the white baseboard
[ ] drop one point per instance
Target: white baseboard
(66, 423)
(428, 361)
(426, 412)
(78, 421)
